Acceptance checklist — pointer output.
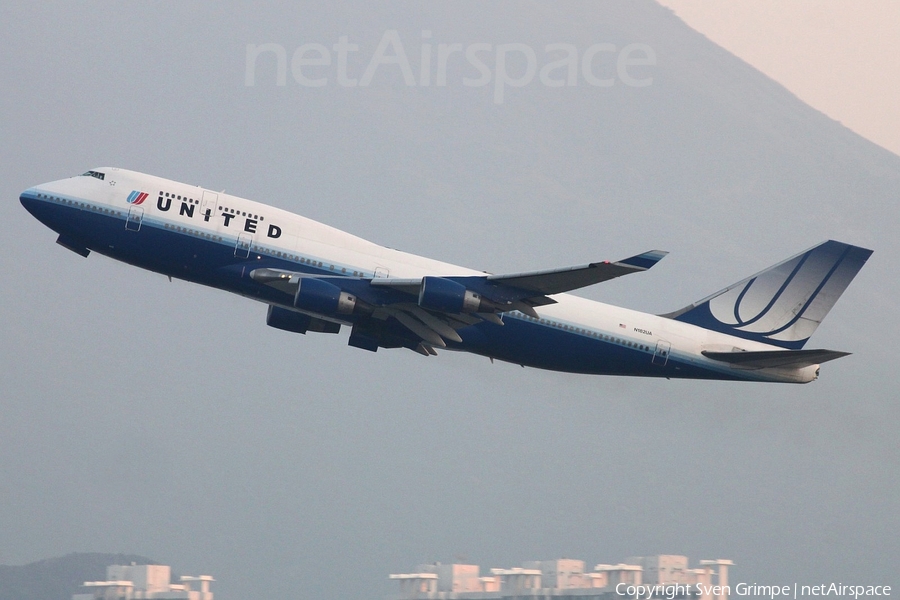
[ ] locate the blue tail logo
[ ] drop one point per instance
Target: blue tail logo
(784, 304)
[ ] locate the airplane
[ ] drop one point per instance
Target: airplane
(315, 278)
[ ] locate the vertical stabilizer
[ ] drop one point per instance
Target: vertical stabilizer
(784, 304)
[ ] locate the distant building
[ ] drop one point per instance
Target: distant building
(145, 582)
(566, 578)
(561, 574)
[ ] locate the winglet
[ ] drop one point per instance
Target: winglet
(645, 260)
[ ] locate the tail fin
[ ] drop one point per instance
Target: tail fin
(784, 304)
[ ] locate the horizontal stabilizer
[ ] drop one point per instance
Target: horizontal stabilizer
(557, 281)
(793, 359)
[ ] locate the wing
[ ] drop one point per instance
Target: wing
(557, 281)
(523, 291)
(428, 312)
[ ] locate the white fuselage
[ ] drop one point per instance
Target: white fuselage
(201, 218)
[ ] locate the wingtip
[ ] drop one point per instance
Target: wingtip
(645, 260)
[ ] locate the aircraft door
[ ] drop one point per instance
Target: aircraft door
(208, 204)
(242, 247)
(661, 355)
(134, 219)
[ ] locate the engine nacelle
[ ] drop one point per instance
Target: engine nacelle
(322, 297)
(448, 296)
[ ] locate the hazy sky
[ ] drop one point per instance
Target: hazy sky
(165, 419)
(840, 57)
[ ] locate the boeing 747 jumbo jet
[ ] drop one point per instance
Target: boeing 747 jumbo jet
(315, 278)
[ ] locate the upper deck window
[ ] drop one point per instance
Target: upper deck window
(96, 174)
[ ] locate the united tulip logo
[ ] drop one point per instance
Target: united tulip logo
(136, 197)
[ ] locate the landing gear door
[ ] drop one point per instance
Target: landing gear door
(661, 356)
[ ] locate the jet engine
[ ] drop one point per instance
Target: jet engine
(317, 296)
(448, 296)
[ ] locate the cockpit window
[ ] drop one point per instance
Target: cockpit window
(96, 174)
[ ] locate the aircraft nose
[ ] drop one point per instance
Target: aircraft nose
(29, 200)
